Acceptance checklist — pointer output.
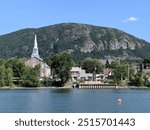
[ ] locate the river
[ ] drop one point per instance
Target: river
(48, 100)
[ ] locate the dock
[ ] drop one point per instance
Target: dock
(96, 85)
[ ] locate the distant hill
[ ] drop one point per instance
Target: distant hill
(81, 40)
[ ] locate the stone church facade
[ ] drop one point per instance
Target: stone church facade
(35, 60)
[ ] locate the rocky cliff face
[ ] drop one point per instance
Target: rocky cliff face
(79, 39)
(89, 38)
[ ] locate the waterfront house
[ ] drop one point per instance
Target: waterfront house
(79, 74)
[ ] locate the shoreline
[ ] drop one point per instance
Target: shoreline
(132, 87)
(17, 88)
(65, 87)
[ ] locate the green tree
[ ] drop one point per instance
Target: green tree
(18, 67)
(120, 72)
(8, 77)
(92, 65)
(115, 64)
(107, 65)
(131, 72)
(137, 80)
(2, 75)
(61, 65)
(30, 78)
(2, 62)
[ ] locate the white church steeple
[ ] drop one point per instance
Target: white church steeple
(35, 52)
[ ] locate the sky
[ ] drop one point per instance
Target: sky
(131, 16)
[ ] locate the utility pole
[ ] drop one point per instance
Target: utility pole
(142, 71)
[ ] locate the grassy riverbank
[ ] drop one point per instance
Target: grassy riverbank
(68, 85)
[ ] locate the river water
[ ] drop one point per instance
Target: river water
(75, 100)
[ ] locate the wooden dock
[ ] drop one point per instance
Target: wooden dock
(97, 86)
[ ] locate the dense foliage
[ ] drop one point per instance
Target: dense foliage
(5, 74)
(31, 78)
(92, 65)
(122, 71)
(14, 72)
(61, 65)
(71, 38)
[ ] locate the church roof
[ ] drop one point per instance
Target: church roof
(38, 58)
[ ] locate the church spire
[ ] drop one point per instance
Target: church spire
(35, 52)
(35, 41)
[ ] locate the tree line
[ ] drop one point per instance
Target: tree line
(14, 72)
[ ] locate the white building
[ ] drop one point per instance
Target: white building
(100, 77)
(78, 74)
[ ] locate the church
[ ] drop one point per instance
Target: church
(35, 60)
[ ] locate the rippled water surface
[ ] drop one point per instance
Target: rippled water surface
(74, 100)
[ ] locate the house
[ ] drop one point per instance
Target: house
(107, 73)
(100, 77)
(78, 74)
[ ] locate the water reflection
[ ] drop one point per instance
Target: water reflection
(61, 90)
(74, 100)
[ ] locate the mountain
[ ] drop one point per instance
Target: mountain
(81, 40)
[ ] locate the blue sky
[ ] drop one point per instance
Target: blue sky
(131, 16)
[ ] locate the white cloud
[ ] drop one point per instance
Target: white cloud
(130, 19)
